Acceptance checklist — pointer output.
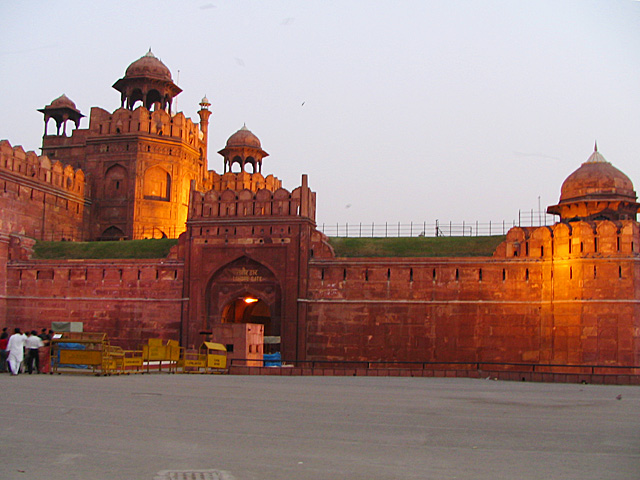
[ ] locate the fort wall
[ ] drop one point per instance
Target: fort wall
(131, 300)
(41, 196)
(537, 300)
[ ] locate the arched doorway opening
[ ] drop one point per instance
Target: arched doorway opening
(112, 233)
(246, 292)
(248, 309)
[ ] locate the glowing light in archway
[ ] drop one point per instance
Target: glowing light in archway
(250, 300)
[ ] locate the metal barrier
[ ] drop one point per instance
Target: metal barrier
(211, 358)
(85, 352)
(472, 365)
(157, 351)
(133, 361)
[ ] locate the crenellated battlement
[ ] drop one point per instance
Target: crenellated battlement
(244, 181)
(41, 170)
(246, 203)
(143, 121)
(564, 240)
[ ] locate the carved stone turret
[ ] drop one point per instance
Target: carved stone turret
(149, 81)
(61, 110)
(243, 148)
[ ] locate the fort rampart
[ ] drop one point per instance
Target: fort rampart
(40, 195)
(133, 300)
(561, 294)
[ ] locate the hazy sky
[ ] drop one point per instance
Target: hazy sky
(398, 111)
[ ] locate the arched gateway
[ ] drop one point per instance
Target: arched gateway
(244, 291)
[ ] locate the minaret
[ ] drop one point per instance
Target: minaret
(204, 128)
(204, 118)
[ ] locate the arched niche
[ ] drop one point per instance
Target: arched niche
(112, 233)
(115, 181)
(157, 184)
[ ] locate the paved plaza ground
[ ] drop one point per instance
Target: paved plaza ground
(146, 427)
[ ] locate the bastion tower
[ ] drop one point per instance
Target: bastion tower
(140, 159)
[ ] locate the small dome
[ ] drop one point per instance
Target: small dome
(62, 102)
(243, 138)
(148, 66)
(596, 178)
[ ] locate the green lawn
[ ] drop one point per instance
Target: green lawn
(416, 246)
(103, 250)
(344, 247)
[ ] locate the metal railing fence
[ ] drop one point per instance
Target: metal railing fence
(460, 365)
(436, 228)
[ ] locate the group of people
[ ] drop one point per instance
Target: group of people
(21, 352)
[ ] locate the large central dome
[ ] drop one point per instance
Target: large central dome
(148, 66)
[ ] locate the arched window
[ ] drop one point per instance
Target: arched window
(153, 98)
(157, 184)
(115, 182)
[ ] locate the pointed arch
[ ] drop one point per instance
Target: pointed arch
(239, 279)
(157, 184)
(115, 182)
(112, 233)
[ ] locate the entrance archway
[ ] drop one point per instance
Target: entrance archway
(246, 291)
(248, 309)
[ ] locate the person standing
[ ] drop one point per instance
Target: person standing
(32, 345)
(4, 340)
(15, 347)
(45, 352)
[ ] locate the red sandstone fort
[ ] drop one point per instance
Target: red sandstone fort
(560, 294)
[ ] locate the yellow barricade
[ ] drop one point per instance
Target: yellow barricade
(112, 360)
(156, 351)
(81, 351)
(192, 362)
(133, 361)
(216, 357)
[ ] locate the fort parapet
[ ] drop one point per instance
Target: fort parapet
(41, 198)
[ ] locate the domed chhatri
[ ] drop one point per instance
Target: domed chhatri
(63, 102)
(243, 148)
(149, 66)
(596, 190)
(147, 80)
(61, 109)
(244, 138)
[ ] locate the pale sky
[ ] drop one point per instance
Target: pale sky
(398, 111)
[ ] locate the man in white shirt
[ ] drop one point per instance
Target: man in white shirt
(32, 346)
(15, 347)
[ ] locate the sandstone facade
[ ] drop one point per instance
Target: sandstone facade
(249, 252)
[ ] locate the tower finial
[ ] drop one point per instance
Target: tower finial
(595, 148)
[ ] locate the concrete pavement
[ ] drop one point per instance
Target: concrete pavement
(314, 428)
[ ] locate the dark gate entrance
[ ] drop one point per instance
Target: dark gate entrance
(245, 291)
